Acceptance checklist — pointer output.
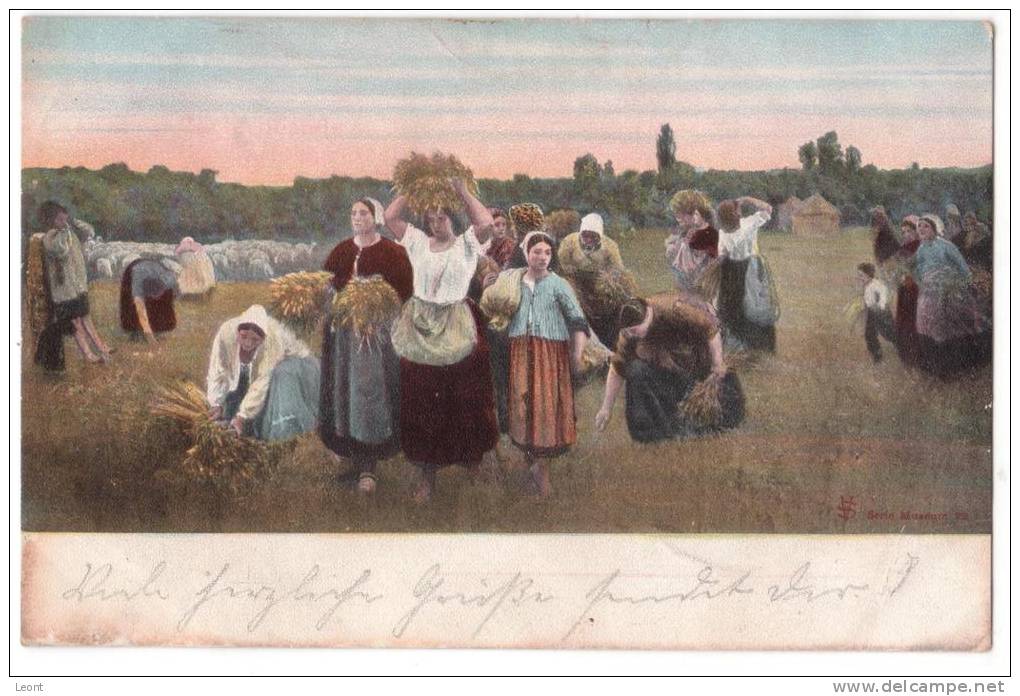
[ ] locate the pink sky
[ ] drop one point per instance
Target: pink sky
(896, 91)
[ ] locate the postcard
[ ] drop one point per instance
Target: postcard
(637, 333)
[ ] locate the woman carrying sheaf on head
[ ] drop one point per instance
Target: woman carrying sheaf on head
(447, 411)
(360, 396)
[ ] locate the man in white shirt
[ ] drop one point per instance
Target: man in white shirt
(879, 319)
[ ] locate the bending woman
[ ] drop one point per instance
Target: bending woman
(668, 345)
(360, 401)
(447, 412)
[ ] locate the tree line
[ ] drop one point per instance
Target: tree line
(162, 205)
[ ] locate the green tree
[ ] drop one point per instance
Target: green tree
(808, 155)
(853, 160)
(587, 173)
(830, 154)
(665, 149)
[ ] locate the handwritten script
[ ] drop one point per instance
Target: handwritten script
(464, 602)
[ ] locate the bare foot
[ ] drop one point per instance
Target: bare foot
(540, 476)
(366, 485)
(92, 357)
(423, 493)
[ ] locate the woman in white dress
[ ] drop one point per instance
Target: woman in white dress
(447, 410)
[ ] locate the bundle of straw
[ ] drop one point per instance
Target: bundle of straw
(853, 312)
(709, 281)
(298, 299)
(702, 406)
(595, 355)
(426, 181)
(611, 288)
(365, 305)
(35, 285)
(232, 465)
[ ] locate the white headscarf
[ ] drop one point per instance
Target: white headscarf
(529, 235)
(592, 222)
(257, 315)
(377, 207)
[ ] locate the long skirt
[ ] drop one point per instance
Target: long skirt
(907, 342)
(197, 274)
(360, 396)
(655, 403)
(499, 362)
(291, 406)
(541, 396)
(953, 333)
(447, 412)
(739, 329)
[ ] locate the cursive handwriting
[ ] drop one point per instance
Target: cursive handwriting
(269, 597)
(706, 586)
(95, 584)
(514, 592)
(797, 587)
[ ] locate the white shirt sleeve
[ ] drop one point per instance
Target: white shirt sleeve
(413, 239)
(220, 371)
(472, 247)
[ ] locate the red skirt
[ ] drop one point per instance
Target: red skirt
(447, 412)
(541, 396)
(160, 309)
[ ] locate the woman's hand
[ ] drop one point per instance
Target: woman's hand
(237, 424)
(602, 419)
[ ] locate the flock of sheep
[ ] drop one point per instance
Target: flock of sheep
(250, 260)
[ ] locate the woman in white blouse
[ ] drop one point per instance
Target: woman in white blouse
(447, 410)
(747, 321)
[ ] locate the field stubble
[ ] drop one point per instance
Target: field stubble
(829, 438)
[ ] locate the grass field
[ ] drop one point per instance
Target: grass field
(824, 425)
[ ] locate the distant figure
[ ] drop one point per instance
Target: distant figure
(592, 263)
(147, 291)
(953, 332)
(884, 239)
(197, 277)
(66, 288)
(501, 246)
(670, 350)
(748, 306)
(262, 381)
(695, 245)
(878, 317)
(954, 231)
(978, 242)
(907, 341)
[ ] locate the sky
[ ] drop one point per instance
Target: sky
(262, 100)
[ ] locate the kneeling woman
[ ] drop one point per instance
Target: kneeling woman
(670, 355)
(547, 333)
(447, 411)
(262, 380)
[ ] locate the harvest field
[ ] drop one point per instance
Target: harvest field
(832, 443)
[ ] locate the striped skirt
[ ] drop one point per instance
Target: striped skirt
(541, 396)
